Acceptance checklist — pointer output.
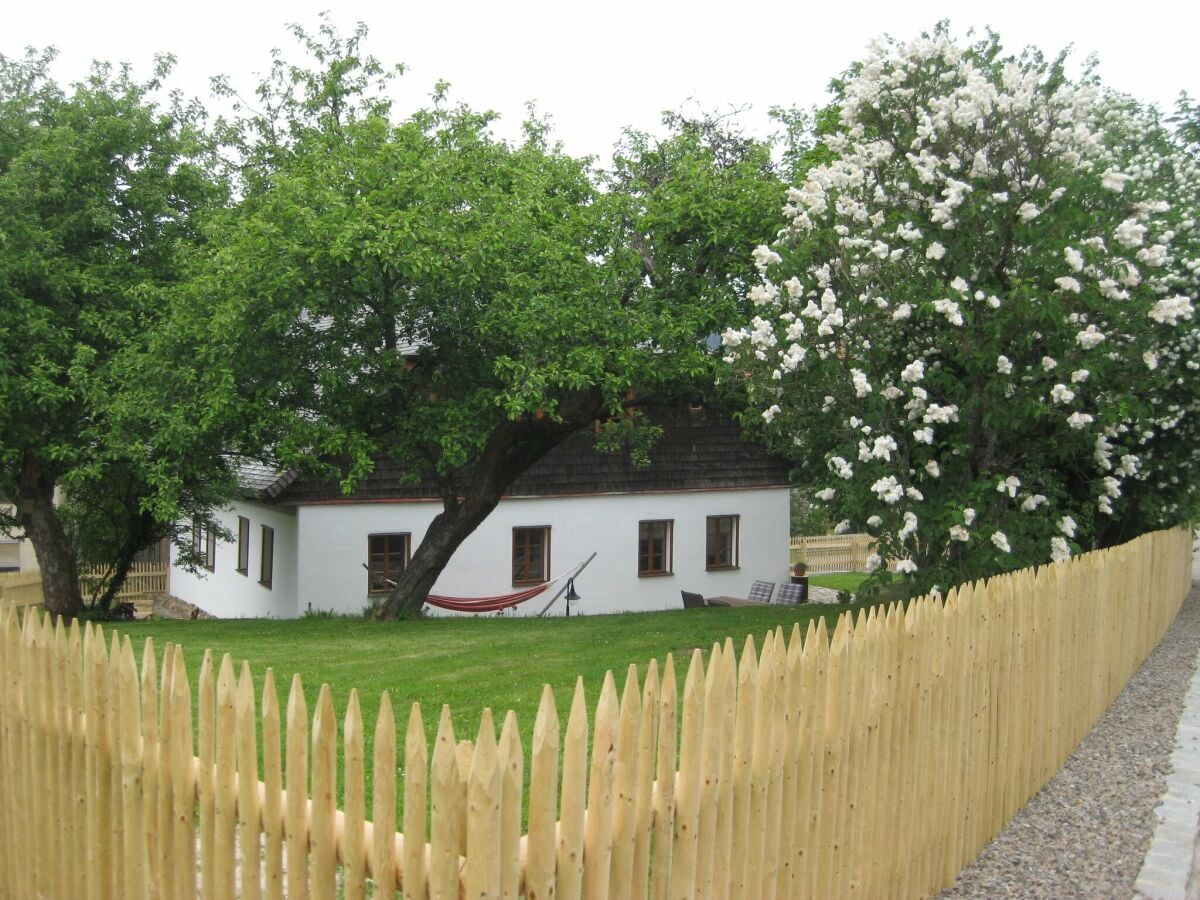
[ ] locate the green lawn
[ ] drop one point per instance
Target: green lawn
(839, 581)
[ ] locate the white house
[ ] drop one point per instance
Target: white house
(710, 514)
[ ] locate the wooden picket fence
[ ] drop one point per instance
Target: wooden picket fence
(144, 581)
(832, 552)
(21, 588)
(874, 762)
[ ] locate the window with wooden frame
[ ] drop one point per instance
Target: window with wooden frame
(655, 539)
(531, 555)
(204, 544)
(721, 542)
(387, 557)
(243, 560)
(266, 570)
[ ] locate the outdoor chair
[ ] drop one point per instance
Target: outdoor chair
(762, 590)
(792, 593)
(696, 601)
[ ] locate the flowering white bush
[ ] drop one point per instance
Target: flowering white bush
(975, 227)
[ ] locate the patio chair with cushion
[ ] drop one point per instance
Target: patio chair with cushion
(762, 590)
(792, 593)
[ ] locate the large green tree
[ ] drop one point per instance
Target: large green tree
(416, 287)
(98, 190)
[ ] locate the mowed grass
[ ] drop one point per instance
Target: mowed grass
(839, 581)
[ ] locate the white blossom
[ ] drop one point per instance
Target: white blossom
(1028, 212)
(862, 387)
(874, 522)
(1067, 526)
(1079, 376)
(888, 489)
(1010, 485)
(959, 533)
(933, 469)
(1060, 393)
(826, 494)
(1130, 233)
(874, 561)
(1004, 365)
(842, 527)
(1074, 260)
(1060, 550)
(1079, 420)
(1169, 310)
(909, 528)
(1089, 337)
(1000, 539)
(1112, 180)
(1068, 283)
(923, 435)
(969, 516)
(935, 251)
(950, 310)
(1048, 363)
(905, 566)
(841, 468)
(1033, 501)
(914, 371)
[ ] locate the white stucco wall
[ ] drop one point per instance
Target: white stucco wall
(333, 547)
(227, 593)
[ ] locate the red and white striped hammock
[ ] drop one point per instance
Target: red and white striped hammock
(486, 604)
(502, 601)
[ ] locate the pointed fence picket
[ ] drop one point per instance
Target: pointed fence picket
(874, 761)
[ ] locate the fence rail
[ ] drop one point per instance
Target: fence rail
(876, 761)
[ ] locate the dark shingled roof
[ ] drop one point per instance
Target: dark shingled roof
(263, 482)
(699, 450)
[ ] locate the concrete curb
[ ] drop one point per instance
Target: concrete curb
(1168, 869)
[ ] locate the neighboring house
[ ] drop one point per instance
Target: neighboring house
(709, 514)
(16, 553)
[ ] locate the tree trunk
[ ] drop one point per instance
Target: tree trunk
(510, 450)
(56, 558)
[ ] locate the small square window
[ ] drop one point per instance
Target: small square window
(721, 544)
(655, 538)
(531, 555)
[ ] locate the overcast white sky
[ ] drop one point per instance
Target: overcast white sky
(598, 67)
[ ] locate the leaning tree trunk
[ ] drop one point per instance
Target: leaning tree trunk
(56, 558)
(510, 450)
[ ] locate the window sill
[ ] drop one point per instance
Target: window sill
(721, 568)
(655, 574)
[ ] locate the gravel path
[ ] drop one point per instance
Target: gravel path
(1086, 832)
